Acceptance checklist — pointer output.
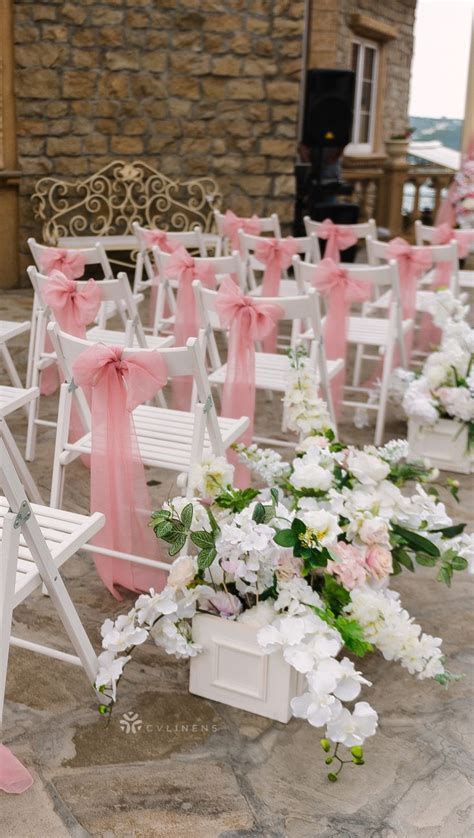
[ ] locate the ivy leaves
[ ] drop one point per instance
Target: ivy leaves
(409, 546)
(175, 529)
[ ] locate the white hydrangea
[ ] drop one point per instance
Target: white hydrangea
(264, 462)
(247, 552)
(419, 404)
(175, 638)
(394, 451)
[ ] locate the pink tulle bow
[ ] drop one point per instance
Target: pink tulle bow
(412, 262)
(69, 262)
(248, 320)
(14, 777)
(276, 255)
(159, 238)
(233, 223)
(341, 290)
(339, 237)
(73, 308)
(118, 485)
(444, 234)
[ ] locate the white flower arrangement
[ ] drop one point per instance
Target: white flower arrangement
(445, 388)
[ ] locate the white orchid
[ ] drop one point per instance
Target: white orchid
(123, 633)
(353, 728)
(110, 670)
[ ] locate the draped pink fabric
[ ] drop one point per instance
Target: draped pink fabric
(276, 256)
(412, 263)
(233, 223)
(248, 320)
(160, 239)
(338, 237)
(340, 290)
(183, 267)
(14, 777)
(118, 485)
(71, 263)
(446, 213)
(444, 234)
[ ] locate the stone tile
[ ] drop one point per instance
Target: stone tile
(32, 814)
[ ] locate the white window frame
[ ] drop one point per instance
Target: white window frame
(360, 149)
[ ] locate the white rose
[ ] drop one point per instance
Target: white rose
(310, 476)
(323, 525)
(183, 571)
(367, 468)
(374, 531)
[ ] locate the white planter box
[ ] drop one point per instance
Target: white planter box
(444, 444)
(233, 669)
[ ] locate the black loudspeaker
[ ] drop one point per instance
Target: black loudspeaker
(329, 104)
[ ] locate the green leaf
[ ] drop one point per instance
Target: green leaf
(445, 574)
(403, 558)
(259, 513)
(352, 634)
(236, 499)
(416, 541)
(206, 557)
(187, 516)
(451, 532)
(274, 494)
(203, 539)
(334, 594)
(177, 544)
(285, 538)
(426, 561)
(396, 567)
(163, 529)
(459, 563)
(298, 527)
(214, 525)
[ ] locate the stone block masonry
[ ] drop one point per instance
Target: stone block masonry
(193, 87)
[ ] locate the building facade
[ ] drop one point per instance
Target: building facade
(192, 87)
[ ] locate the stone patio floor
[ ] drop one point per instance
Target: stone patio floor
(198, 768)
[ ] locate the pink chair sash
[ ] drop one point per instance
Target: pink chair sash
(338, 236)
(71, 263)
(340, 290)
(276, 256)
(248, 320)
(233, 223)
(118, 485)
(73, 309)
(183, 267)
(14, 777)
(444, 234)
(412, 263)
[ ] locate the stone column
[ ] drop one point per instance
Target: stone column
(9, 176)
(391, 191)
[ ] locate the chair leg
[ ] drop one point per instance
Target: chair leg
(22, 470)
(358, 365)
(32, 342)
(10, 544)
(33, 411)
(386, 373)
(62, 435)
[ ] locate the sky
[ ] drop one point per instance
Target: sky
(441, 57)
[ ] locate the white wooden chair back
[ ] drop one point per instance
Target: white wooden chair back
(95, 255)
(377, 252)
(423, 233)
(190, 239)
(221, 265)
(307, 247)
(268, 224)
(361, 230)
(180, 361)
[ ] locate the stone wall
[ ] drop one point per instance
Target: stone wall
(192, 87)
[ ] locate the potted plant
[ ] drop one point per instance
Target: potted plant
(398, 143)
(278, 586)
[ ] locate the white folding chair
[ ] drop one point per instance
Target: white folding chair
(168, 286)
(424, 235)
(381, 334)
(114, 292)
(360, 230)
(35, 542)
(306, 247)
(9, 330)
(268, 224)
(271, 369)
(11, 400)
(169, 439)
(145, 273)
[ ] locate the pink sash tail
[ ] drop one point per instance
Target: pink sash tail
(118, 484)
(233, 223)
(183, 267)
(340, 290)
(338, 237)
(160, 239)
(14, 777)
(248, 320)
(276, 256)
(412, 263)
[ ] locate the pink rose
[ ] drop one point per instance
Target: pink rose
(379, 561)
(349, 566)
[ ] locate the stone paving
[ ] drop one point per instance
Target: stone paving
(203, 769)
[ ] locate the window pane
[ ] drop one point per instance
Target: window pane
(369, 60)
(366, 95)
(364, 128)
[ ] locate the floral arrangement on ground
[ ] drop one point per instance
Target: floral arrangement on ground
(307, 561)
